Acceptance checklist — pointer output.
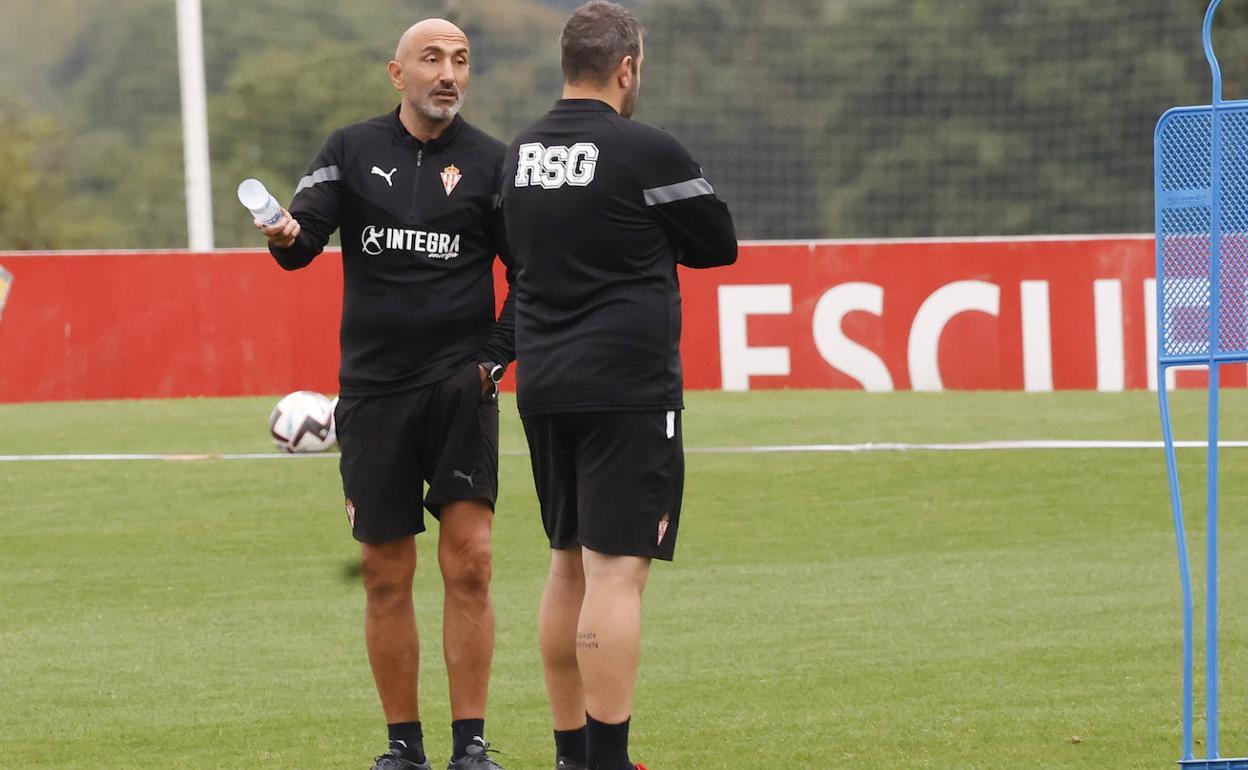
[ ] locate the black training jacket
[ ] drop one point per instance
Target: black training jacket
(599, 211)
(421, 225)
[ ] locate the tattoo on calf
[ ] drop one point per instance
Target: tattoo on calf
(587, 641)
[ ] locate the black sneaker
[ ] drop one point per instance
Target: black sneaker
(476, 757)
(393, 760)
(563, 763)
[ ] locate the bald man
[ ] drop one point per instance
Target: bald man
(414, 193)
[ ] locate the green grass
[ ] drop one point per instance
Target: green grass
(885, 610)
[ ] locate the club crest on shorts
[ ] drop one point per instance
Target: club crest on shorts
(351, 512)
(663, 522)
(451, 177)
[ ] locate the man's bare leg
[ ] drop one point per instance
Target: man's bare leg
(608, 646)
(464, 555)
(390, 626)
(608, 636)
(391, 638)
(556, 627)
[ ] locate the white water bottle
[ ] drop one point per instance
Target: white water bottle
(259, 201)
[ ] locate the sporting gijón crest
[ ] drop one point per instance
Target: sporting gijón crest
(450, 178)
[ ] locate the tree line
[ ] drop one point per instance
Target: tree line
(813, 118)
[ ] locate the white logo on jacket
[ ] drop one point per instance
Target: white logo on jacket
(553, 167)
(443, 246)
(384, 175)
(371, 240)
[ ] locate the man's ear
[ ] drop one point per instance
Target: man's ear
(624, 72)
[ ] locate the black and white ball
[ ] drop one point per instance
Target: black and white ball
(303, 421)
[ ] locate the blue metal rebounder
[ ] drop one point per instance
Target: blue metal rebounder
(1201, 207)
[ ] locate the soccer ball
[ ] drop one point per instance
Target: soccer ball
(303, 421)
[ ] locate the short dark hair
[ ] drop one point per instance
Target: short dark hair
(597, 36)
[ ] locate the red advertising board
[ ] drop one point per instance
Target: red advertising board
(1006, 314)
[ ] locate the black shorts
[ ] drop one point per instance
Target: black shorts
(609, 481)
(445, 434)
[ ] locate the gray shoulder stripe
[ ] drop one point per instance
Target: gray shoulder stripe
(678, 192)
(322, 174)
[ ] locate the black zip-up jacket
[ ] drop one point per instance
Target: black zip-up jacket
(421, 224)
(599, 210)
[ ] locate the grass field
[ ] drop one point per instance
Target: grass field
(1014, 609)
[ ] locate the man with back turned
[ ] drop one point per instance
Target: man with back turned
(599, 210)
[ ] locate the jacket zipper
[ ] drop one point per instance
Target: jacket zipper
(420, 157)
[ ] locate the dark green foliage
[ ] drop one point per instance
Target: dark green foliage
(813, 118)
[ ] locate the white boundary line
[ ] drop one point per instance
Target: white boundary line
(977, 446)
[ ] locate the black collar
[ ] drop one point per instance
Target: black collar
(582, 105)
(442, 140)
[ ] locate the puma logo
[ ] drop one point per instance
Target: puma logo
(465, 476)
(384, 175)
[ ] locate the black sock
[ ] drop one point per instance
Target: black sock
(465, 733)
(607, 744)
(570, 744)
(408, 739)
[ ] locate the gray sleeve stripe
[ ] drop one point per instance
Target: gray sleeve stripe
(323, 174)
(678, 192)
(497, 201)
